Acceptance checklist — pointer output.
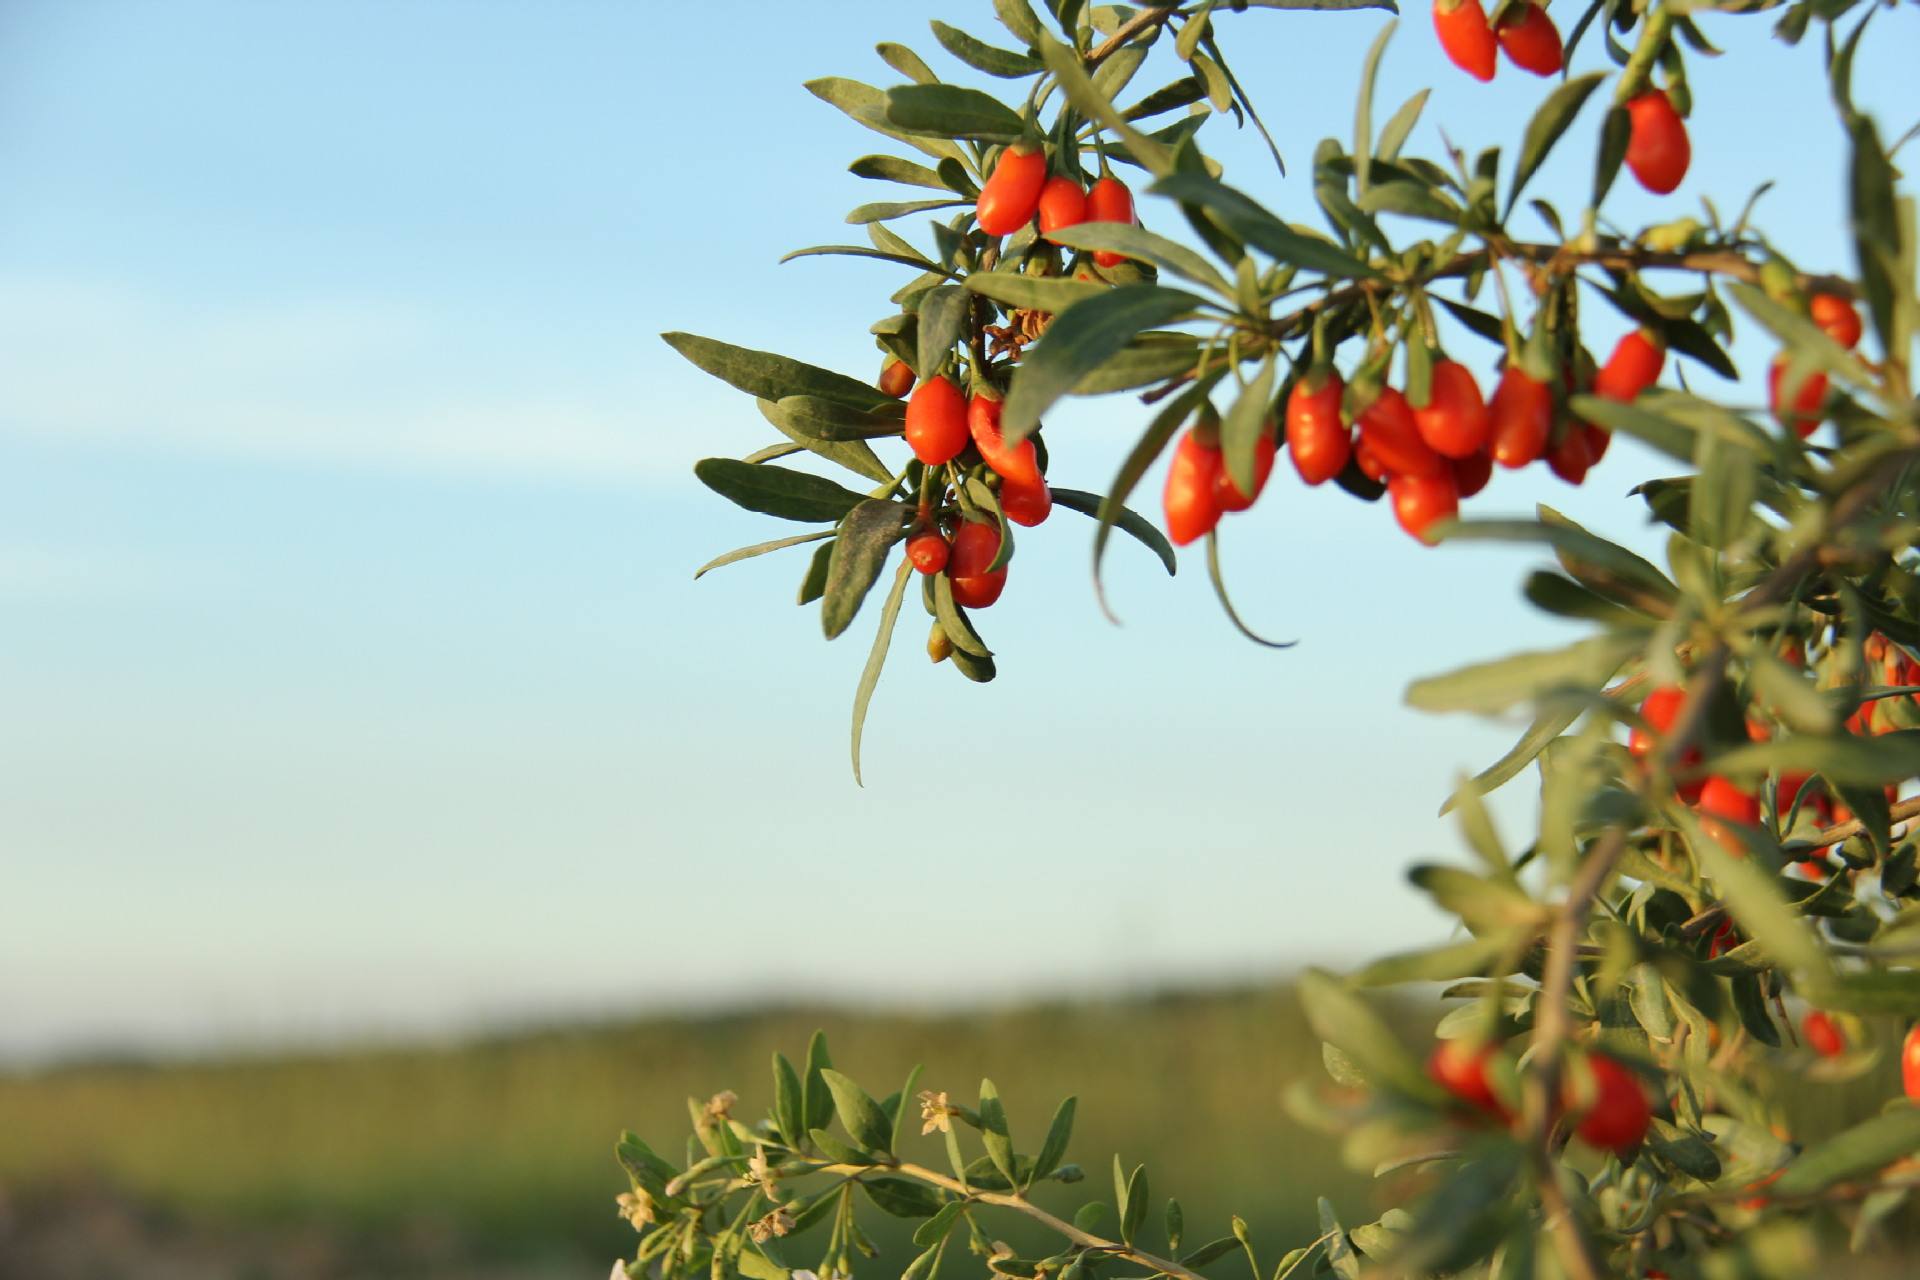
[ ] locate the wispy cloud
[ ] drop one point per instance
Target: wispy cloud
(376, 384)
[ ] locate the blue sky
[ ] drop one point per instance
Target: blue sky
(354, 676)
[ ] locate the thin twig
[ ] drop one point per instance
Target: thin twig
(1145, 20)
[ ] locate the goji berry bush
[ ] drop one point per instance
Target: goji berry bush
(1719, 903)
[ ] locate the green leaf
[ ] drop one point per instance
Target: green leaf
(1800, 706)
(1078, 341)
(837, 1151)
(829, 420)
(1596, 563)
(772, 377)
(953, 619)
(816, 1102)
(1017, 16)
(1343, 1020)
(814, 584)
(1325, 6)
(868, 106)
(1218, 581)
(1111, 513)
(856, 456)
(859, 553)
(1467, 959)
(1152, 357)
(1878, 241)
(859, 1113)
(870, 675)
(1054, 1149)
(1123, 518)
(1548, 123)
(1133, 1206)
(1363, 111)
(1615, 132)
(943, 318)
(914, 259)
(886, 211)
(760, 549)
(1340, 1255)
(934, 1230)
(951, 111)
(1035, 293)
(982, 56)
(1842, 758)
(1546, 727)
(788, 1114)
(1802, 336)
(1492, 687)
(1138, 242)
(1413, 200)
(1245, 421)
(1857, 1152)
(1089, 101)
(993, 1130)
(901, 1198)
(1249, 221)
(906, 62)
(776, 491)
(1873, 991)
(1394, 135)
(1761, 909)
(894, 169)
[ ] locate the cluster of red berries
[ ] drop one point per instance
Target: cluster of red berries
(1658, 151)
(1429, 457)
(1837, 318)
(1019, 188)
(942, 422)
(1613, 1118)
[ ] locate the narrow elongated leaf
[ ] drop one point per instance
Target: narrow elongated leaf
(894, 169)
(859, 553)
(1399, 126)
(889, 210)
(1090, 102)
(1760, 908)
(1054, 1149)
(935, 1229)
(1245, 421)
(1017, 16)
(953, 619)
(913, 260)
(773, 377)
(776, 491)
(1078, 341)
(1343, 1020)
(1506, 682)
(816, 1101)
(1124, 518)
(951, 111)
(993, 1130)
(1413, 200)
(855, 455)
(1326, 6)
(1548, 123)
(1363, 111)
(859, 1113)
(831, 420)
(901, 1198)
(1159, 431)
(982, 56)
(1547, 727)
(906, 62)
(1249, 221)
(1861, 1150)
(1844, 758)
(760, 549)
(1138, 242)
(868, 105)
(788, 1116)
(1150, 358)
(1583, 554)
(870, 676)
(943, 317)
(1035, 293)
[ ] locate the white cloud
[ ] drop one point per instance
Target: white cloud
(377, 385)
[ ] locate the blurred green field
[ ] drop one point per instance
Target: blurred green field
(493, 1160)
(503, 1149)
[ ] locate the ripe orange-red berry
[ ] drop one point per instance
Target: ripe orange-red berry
(928, 552)
(1318, 439)
(1532, 41)
(1460, 1067)
(1454, 422)
(1019, 463)
(1192, 509)
(1802, 416)
(1633, 367)
(937, 422)
(1836, 316)
(1420, 502)
(1390, 433)
(1470, 474)
(1466, 38)
(1617, 1118)
(1227, 494)
(1520, 418)
(1026, 502)
(1823, 1035)
(1571, 456)
(1062, 204)
(974, 547)
(1011, 192)
(1910, 1064)
(1657, 148)
(896, 378)
(1109, 200)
